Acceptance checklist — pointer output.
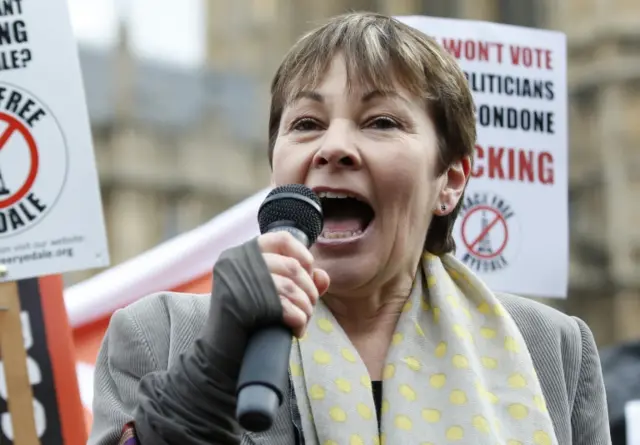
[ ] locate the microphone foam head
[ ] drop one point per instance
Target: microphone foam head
(294, 203)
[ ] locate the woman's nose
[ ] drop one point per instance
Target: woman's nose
(339, 151)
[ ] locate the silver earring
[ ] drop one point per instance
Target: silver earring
(443, 207)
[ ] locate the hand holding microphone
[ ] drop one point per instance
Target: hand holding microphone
(291, 216)
(237, 370)
(297, 282)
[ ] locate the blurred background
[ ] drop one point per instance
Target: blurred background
(178, 96)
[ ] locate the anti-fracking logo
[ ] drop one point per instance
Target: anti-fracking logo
(489, 231)
(33, 160)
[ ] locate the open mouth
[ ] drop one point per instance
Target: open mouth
(345, 215)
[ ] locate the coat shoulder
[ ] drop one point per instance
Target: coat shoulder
(166, 322)
(163, 309)
(533, 318)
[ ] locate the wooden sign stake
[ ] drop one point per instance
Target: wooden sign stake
(14, 360)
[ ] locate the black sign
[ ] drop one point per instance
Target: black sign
(39, 369)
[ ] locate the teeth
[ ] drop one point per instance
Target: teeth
(334, 195)
(339, 235)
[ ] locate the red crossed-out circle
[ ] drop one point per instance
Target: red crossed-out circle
(16, 125)
(471, 245)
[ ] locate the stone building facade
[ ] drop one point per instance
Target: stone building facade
(175, 147)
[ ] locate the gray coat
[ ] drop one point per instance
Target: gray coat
(150, 335)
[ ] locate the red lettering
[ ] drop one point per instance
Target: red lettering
(470, 50)
(473, 50)
(527, 57)
(513, 164)
(545, 168)
(547, 59)
(515, 54)
(499, 51)
(494, 161)
(483, 50)
(478, 170)
(520, 166)
(454, 46)
(530, 57)
(524, 167)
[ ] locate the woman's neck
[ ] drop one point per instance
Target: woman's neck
(362, 317)
(370, 321)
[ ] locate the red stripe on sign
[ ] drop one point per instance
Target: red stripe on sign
(61, 351)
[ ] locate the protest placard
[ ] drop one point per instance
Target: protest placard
(50, 209)
(513, 225)
(50, 218)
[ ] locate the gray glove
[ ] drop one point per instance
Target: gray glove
(194, 401)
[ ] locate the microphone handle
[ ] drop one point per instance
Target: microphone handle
(264, 374)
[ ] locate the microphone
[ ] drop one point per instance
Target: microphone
(264, 374)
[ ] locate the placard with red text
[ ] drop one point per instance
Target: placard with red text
(513, 225)
(50, 209)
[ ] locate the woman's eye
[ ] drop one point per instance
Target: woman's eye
(382, 123)
(305, 124)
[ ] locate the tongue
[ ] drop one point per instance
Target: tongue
(350, 224)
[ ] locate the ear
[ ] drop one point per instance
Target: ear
(454, 182)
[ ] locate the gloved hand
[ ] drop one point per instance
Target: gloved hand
(269, 279)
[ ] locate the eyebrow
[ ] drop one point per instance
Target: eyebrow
(377, 94)
(367, 97)
(312, 95)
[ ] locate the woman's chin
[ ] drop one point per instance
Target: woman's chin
(348, 274)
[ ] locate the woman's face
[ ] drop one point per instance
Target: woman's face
(372, 157)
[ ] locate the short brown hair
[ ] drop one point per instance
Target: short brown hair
(371, 43)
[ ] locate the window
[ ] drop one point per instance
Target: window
(362, 5)
(521, 12)
(439, 8)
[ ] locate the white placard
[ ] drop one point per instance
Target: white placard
(513, 228)
(50, 210)
(632, 420)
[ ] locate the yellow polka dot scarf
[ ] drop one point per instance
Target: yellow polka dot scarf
(457, 371)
